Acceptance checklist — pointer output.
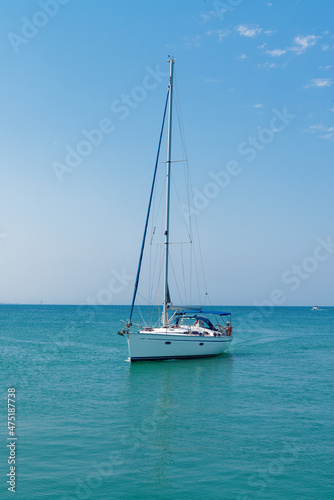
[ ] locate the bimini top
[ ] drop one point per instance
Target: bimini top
(199, 310)
(201, 318)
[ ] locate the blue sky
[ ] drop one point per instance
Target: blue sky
(256, 85)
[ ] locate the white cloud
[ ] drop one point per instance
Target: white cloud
(325, 68)
(269, 65)
(321, 131)
(208, 16)
(302, 43)
(220, 34)
(327, 136)
(320, 83)
(193, 41)
(205, 18)
(276, 52)
(242, 57)
(249, 31)
(258, 106)
(314, 128)
(213, 80)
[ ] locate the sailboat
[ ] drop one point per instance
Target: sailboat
(184, 331)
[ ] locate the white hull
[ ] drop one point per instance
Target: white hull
(167, 344)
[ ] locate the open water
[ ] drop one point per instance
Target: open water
(255, 423)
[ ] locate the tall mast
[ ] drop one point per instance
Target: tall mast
(169, 151)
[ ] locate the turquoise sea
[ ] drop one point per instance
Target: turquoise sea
(255, 423)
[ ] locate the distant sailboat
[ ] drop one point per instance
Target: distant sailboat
(185, 332)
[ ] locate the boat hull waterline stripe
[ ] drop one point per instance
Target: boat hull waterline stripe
(201, 338)
(162, 358)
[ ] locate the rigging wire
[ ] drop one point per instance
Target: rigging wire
(188, 185)
(191, 212)
(174, 274)
(156, 297)
(178, 198)
(201, 257)
(156, 258)
(183, 274)
(148, 211)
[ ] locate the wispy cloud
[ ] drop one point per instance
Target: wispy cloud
(321, 131)
(252, 30)
(315, 128)
(330, 135)
(276, 52)
(302, 42)
(249, 31)
(220, 34)
(271, 65)
(192, 41)
(208, 16)
(213, 80)
(242, 57)
(319, 83)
